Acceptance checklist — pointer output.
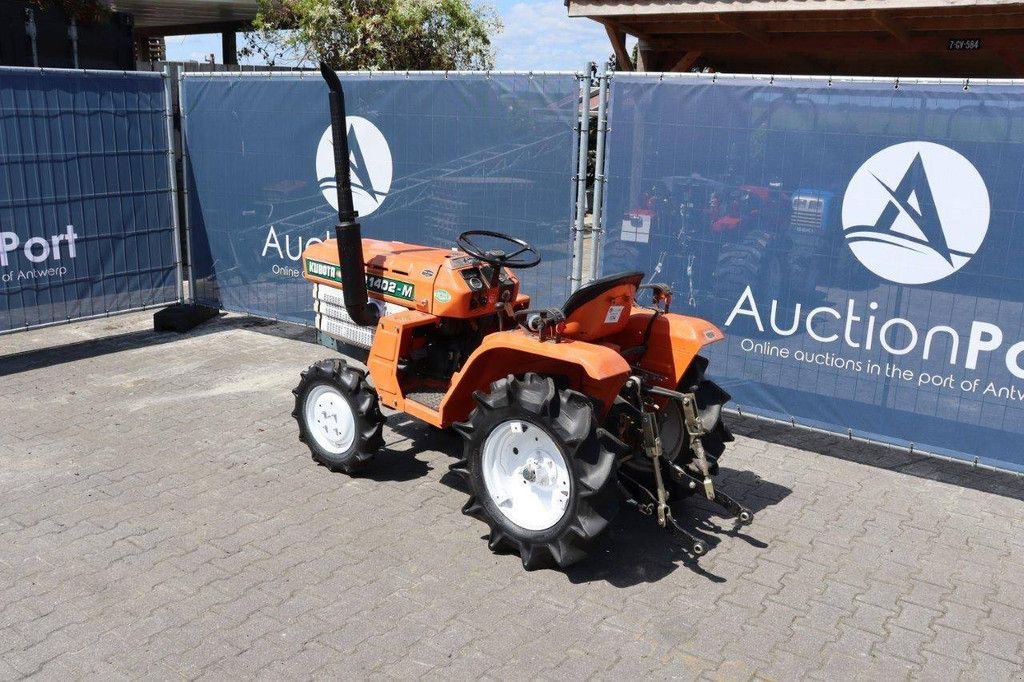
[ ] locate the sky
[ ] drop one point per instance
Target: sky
(538, 36)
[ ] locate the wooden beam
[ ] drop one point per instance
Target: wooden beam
(892, 26)
(191, 29)
(1012, 60)
(817, 66)
(958, 24)
(837, 43)
(618, 40)
(687, 61)
(836, 8)
(739, 25)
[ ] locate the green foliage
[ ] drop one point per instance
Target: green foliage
(376, 34)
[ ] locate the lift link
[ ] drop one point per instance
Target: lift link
(695, 430)
(652, 447)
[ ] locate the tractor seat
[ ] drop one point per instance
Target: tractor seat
(602, 307)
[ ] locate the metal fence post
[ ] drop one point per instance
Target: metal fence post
(172, 171)
(581, 178)
(186, 200)
(597, 229)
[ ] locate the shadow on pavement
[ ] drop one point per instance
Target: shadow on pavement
(397, 461)
(116, 343)
(636, 550)
(963, 474)
(389, 465)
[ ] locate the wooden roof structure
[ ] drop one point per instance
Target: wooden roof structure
(181, 17)
(928, 38)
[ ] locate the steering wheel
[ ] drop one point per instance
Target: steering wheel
(498, 257)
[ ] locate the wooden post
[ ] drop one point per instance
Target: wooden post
(229, 47)
(618, 40)
(644, 56)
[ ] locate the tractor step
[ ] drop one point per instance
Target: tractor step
(427, 398)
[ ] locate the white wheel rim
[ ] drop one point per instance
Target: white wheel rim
(329, 419)
(526, 475)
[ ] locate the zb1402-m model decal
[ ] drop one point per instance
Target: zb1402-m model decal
(376, 283)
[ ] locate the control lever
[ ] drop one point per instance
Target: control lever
(540, 320)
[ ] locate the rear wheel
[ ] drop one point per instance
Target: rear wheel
(675, 438)
(338, 415)
(540, 474)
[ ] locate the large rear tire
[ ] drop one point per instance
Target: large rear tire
(541, 475)
(338, 414)
(711, 399)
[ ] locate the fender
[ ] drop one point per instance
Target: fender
(674, 341)
(596, 370)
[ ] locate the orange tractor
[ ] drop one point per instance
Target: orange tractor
(566, 412)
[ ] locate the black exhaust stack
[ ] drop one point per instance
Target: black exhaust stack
(347, 231)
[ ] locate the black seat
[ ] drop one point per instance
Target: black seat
(588, 292)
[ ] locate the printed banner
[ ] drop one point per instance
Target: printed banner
(431, 156)
(86, 223)
(859, 243)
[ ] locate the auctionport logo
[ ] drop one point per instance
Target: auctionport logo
(916, 213)
(370, 165)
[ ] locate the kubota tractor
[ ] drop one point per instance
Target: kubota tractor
(566, 412)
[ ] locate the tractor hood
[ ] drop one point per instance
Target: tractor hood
(442, 282)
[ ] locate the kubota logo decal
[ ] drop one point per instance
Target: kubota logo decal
(370, 165)
(380, 285)
(916, 212)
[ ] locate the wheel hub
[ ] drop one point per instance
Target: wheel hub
(541, 470)
(526, 475)
(330, 419)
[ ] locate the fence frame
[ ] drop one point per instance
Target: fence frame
(165, 75)
(600, 215)
(580, 143)
(579, 200)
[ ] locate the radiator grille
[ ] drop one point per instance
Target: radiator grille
(333, 320)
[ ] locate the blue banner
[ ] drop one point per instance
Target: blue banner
(86, 222)
(431, 156)
(860, 243)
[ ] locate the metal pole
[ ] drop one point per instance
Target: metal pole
(184, 191)
(172, 173)
(597, 229)
(581, 178)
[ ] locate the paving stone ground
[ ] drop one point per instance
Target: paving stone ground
(158, 518)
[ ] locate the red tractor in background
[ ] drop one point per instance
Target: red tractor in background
(565, 412)
(713, 239)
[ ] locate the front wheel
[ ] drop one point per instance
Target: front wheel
(541, 476)
(338, 414)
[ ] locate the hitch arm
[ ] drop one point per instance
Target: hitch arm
(742, 514)
(695, 429)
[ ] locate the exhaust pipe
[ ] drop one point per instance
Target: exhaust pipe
(347, 232)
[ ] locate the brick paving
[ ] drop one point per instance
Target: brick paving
(159, 519)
